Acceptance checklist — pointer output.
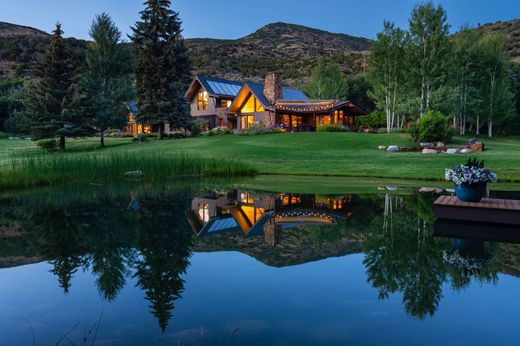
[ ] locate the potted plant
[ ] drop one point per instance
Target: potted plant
(470, 180)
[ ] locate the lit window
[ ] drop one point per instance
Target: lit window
(203, 212)
(202, 100)
(225, 103)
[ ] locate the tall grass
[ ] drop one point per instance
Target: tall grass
(26, 171)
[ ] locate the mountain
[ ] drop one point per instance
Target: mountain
(21, 46)
(511, 31)
(288, 48)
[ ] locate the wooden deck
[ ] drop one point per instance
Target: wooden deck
(489, 210)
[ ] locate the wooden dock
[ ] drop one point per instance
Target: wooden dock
(489, 210)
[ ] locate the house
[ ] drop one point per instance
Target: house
(241, 105)
(132, 126)
(210, 98)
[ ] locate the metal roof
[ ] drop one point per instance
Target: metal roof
(220, 87)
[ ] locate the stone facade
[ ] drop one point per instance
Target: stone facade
(273, 87)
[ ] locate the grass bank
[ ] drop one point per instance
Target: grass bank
(322, 155)
(34, 170)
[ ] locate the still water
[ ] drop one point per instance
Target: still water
(145, 264)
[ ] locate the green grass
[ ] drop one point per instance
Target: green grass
(33, 170)
(310, 154)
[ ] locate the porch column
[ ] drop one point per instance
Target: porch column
(331, 117)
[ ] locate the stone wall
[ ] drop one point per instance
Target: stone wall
(273, 87)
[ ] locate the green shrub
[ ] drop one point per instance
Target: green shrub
(141, 138)
(197, 126)
(3, 135)
(375, 119)
(48, 144)
(331, 128)
(218, 131)
(255, 130)
(432, 127)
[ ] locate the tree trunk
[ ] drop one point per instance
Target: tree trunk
(102, 134)
(62, 143)
(490, 128)
(160, 132)
(478, 125)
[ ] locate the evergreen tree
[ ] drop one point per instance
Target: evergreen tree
(429, 31)
(162, 68)
(106, 83)
(326, 82)
(48, 99)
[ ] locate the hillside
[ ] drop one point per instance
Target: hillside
(21, 46)
(511, 31)
(288, 48)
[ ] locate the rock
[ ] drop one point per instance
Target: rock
(392, 188)
(466, 151)
(382, 147)
(393, 148)
(426, 189)
(439, 144)
(474, 141)
(476, 147)
(134, 175)
(429, 151)
(453, 151)
(427, 145)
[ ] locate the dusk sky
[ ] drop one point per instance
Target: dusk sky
(237, 18)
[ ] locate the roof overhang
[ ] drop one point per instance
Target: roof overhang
(242, 97)
(318, 106)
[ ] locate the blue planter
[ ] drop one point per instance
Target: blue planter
(471, 193)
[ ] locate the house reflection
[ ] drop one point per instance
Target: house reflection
(264, 214)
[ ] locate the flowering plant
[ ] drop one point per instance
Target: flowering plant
(472, 172)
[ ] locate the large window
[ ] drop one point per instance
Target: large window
(202, 100)
(252, 105)
(203, 212)
(247, 120)
(323, 120)
(338, 117)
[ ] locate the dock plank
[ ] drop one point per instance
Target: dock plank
(492, 210)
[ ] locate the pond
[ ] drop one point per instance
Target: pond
(217, 264)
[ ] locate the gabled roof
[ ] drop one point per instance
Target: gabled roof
(258, 91)
(214, 86)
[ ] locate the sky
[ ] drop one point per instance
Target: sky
(232, 19)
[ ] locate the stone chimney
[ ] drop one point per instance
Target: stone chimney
(273, 87)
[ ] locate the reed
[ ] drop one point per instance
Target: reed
(27, 171)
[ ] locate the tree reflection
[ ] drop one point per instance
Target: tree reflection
(60, 233)
(402, 255)
(164, 244)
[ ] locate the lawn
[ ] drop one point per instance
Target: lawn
(325, 154)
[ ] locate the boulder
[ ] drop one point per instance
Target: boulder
(427, 145)
(453, 151)
(382, 147)
(440, 144)
(393, 148)
(476, 147)
(134, 175)
(466, 151)
(429, 151)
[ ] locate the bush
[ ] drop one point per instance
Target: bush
(3, 135)
(48, 144)
(432, 127)
(255, 130)
(331, 128)
(375, 119)
(141, 138)
(218, 131)
(197, 126)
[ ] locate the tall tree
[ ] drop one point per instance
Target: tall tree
(465, 69)
(496, 87)
(162, 68)
(106, 83)
(429, 31)
(327, 82)
(48, 98)
(386, 73)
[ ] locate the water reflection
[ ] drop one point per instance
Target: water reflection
(149, 235)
